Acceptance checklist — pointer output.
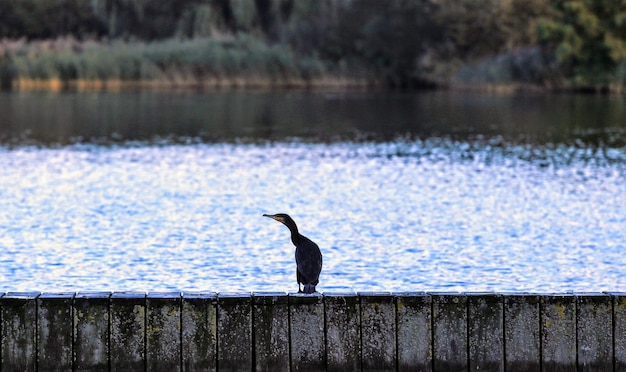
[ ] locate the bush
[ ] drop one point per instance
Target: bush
(522, 65)
(192, 60)
(588, 39)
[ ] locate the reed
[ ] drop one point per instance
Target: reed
(233, 61)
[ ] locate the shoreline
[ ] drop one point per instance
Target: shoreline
(267, 84)
(227, 83)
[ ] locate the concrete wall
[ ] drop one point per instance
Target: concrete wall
(337, 331)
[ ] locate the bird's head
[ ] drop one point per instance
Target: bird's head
(280, 217)
(285, 220)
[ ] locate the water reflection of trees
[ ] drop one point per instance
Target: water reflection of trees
(592, 125)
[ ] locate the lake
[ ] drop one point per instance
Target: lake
(432, 191)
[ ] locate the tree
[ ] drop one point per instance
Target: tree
(389, 37)
(588, 38)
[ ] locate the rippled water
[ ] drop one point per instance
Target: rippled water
(405, 215)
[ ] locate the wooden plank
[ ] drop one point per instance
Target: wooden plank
(594, 332)
(619, 330)
(450, 332)
(19, 331)
(415, 344)
(334, 332)
(55, 331)
(199, 331)
(163, 331)
(558, 332)
(127, 331)
(271, 331)
(234, 332)
(486, 332)
(91, 331)
(522, 332)
(378, 330)
(343, 334)
(306, 332)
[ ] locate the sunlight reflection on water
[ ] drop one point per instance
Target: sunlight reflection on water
(398, 216)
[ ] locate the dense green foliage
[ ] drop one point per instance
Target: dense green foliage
(178, 61)
(406, 43)
(589, 40)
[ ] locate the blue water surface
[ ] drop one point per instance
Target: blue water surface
(405, 215)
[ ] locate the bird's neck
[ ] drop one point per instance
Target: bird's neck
(295, 235)
(292, 227)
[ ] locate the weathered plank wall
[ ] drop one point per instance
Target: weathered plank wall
(102, 331)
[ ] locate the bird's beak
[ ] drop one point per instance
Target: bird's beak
(273, 216)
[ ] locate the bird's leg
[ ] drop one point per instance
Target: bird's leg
(298, 280)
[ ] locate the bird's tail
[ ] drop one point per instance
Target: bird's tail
(309, 288)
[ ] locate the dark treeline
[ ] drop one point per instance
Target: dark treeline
(405, 43)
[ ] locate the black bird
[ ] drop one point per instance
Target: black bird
(308, 255)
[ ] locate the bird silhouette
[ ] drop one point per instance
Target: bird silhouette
(308, 255)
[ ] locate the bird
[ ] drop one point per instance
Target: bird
(308, 255)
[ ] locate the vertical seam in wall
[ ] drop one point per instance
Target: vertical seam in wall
(289, 340)
(613, 345)
(361, 329)
(503, 301)
(540, 302)
(325, 333)
(217, 331)
(73, 336)
(467, 332)
(2, 294)
(36, 331)
(432, 333)
(576, 330)
(109, 325)
(145, 332)
(395, 311)
(180, 331)
(252, 333)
